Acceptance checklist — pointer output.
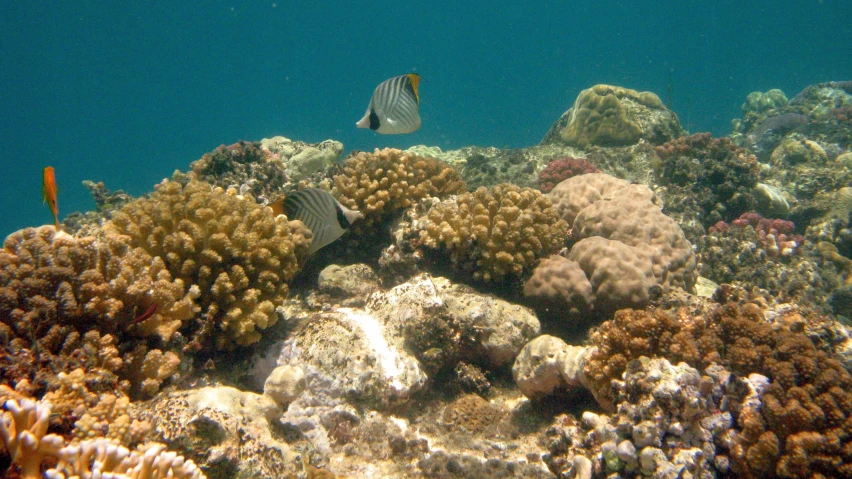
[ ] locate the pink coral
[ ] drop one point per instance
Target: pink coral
(560, 169)
(776, 235)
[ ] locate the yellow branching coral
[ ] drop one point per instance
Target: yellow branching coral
(381, 183)
(233, 250)
(494, 232)
(23, 428)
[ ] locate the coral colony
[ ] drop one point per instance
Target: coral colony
(621, 300)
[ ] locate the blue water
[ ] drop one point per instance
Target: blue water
(127, 92)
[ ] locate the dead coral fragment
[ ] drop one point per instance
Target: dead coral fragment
(494, 232)
(233, 248)
(381, 183)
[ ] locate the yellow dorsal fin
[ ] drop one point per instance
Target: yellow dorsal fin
(415, 83)
(277, 206)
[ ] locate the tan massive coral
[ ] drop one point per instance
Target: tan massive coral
(493, 232)
(627, 248)
(233, 250)
(386, 181)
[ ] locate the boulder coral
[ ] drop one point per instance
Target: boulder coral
(493, 233)
(382, 183)
(607, 115)
(234, 250)
(626, 249)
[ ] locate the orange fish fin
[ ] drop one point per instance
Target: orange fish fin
(415, 84)
(277, 206)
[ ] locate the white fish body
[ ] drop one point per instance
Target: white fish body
(394, 107)
(321, 213)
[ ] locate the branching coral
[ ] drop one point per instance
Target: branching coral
(561, 169)
(716, 171)
(382, 183)
(802, 427)
(493, 232)
(232, 248)
(23, 429)
(70, 301)
(774, 235)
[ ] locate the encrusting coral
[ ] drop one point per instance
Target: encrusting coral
(233, 249)
(381, 183)
(493, 232)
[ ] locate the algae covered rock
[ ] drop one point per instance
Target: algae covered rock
(607, 115)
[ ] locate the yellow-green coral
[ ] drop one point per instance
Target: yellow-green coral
(601, 116)
(381, 183)
(494, 232)
(235, 251)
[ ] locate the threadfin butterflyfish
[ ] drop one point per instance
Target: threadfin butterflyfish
(395, 106)
(320, 212)
(49, 192)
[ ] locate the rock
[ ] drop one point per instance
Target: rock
(223, 430)
(354, 281)
(770, 201)
(285, 384)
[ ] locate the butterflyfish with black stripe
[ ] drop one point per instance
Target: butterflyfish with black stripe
(320, 212)
(395, 106)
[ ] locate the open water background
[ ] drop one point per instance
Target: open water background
(126, 92)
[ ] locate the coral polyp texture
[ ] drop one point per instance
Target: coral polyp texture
(795, 426)
(493, 233)
(561, 169)
(71, 301)
(626, 247)
(714, 173)
(23, 429)
(233, 250)
(382, 183)
(262, 169)
(607, 115)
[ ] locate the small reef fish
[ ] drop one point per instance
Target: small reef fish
(320, 212)
(48, 193)
(395, 106)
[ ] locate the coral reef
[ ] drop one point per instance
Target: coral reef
(23, 429)
(608, 115)
(70, 301)
(382, 183)
(756, 252)
(230, 247)
(805, 405)
(708, 179)
(560, 169)
(493, 233)
(665, 425)
(263, 170)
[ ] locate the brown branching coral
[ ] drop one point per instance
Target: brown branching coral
(494, 232)
(384, 182)
(232, 249)
(802, 427)
(67, 302)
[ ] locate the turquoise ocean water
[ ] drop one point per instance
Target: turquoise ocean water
(127, 92)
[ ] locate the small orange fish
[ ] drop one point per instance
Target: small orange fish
(48, 192)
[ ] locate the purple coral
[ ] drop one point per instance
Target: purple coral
(560, 169)
(776, 236)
